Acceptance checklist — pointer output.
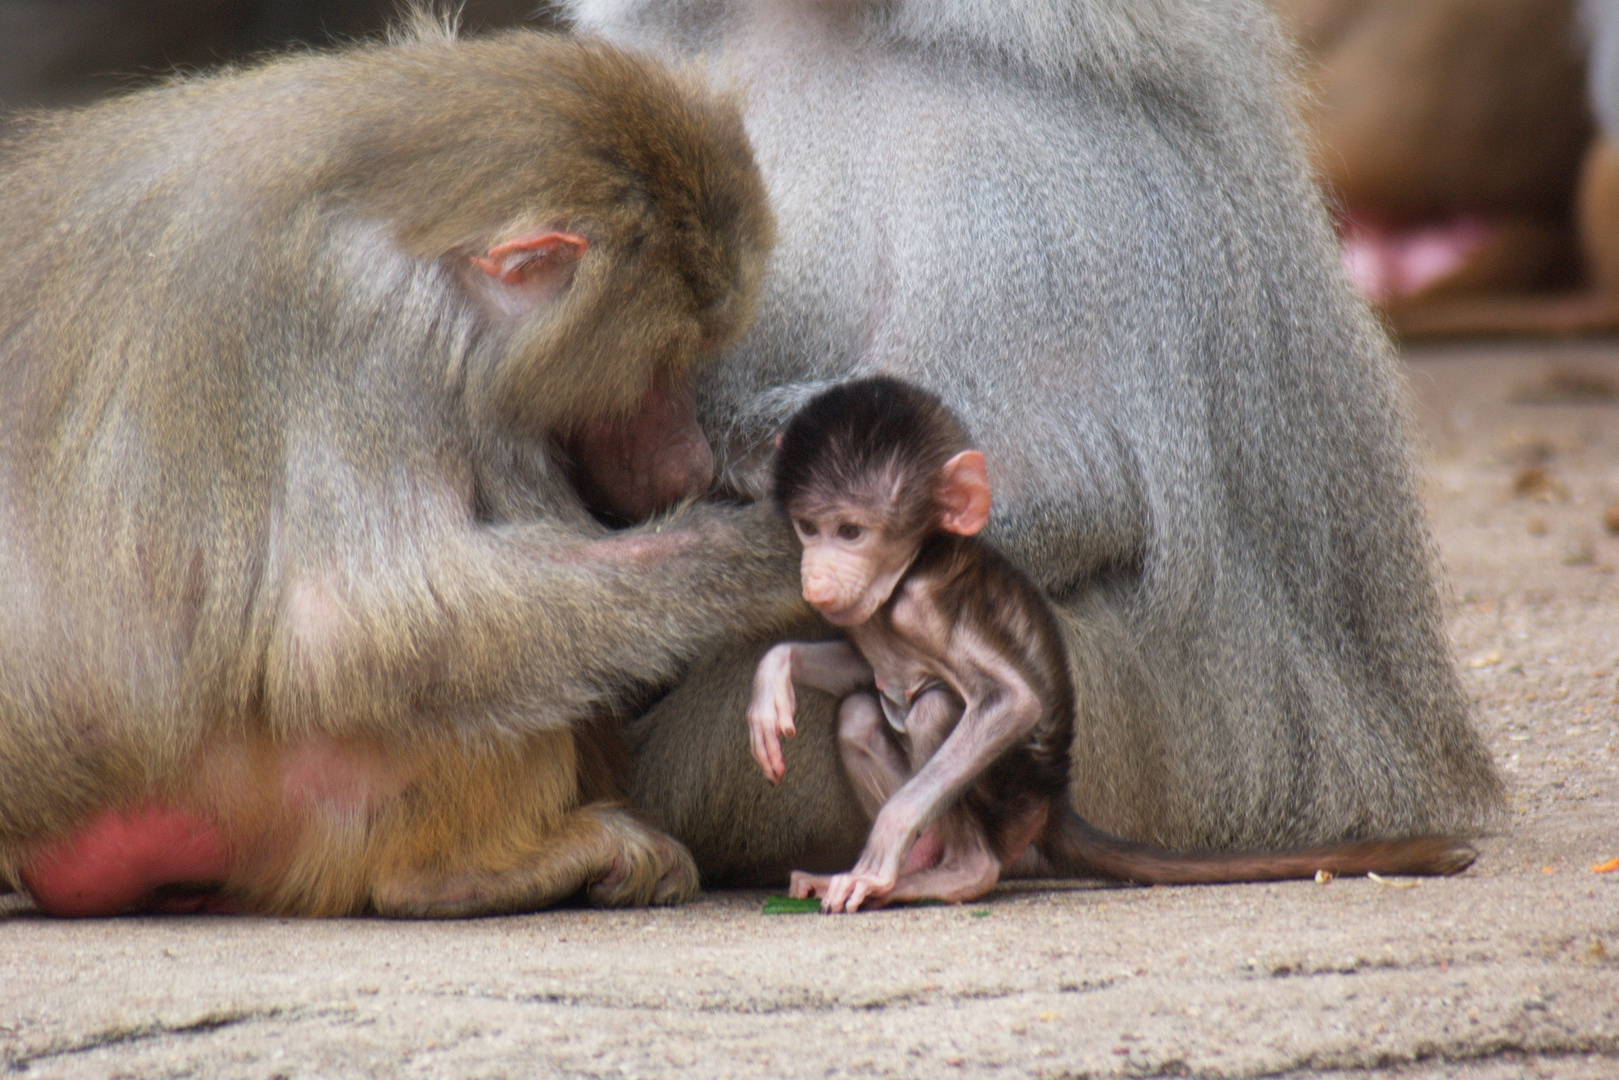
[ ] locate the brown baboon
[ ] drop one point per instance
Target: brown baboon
(1088, 226)
(300, 370)
(1457, 137)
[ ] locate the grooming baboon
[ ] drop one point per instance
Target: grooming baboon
(1088, 226)
(301, 611)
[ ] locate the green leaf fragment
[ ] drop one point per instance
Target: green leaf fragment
(787, 905)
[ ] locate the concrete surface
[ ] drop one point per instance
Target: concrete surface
(1510, 970)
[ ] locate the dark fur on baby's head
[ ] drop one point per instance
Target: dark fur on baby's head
(879, 442)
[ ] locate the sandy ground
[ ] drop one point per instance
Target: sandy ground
(1509, 970)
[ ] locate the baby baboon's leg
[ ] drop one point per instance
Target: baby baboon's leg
(966, 869)
(871, 756)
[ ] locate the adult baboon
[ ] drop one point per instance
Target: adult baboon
(302, 370)
(1088, 226)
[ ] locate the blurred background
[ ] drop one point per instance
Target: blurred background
(63, 52)
(1464, 144)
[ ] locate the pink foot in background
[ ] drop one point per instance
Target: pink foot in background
(1386, 262)
(150, 859)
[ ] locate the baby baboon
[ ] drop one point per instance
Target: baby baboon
(957, 707)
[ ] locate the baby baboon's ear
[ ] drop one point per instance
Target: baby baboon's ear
(963, 494)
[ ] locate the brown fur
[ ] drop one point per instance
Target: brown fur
(282, 487)
(1428, 109)
(1599, 215)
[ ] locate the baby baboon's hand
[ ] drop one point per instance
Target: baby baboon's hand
(770, 713)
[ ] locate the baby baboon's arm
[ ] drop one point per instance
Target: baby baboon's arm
(832, 666)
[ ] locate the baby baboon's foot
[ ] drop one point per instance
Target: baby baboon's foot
(647, 866)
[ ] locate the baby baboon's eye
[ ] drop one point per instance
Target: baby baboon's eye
(849, 531)
(806, 527)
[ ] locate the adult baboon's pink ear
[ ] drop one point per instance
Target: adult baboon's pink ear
(538, 265)
(963, 494)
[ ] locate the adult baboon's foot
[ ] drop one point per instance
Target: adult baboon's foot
(650, 867)
(617, 860)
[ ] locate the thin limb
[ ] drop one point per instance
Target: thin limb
(967, 869)
(985, 729)
(872, 758)
(832, 666)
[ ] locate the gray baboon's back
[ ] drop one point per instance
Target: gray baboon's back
(1088, 226)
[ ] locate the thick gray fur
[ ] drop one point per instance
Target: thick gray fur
(1088, 225)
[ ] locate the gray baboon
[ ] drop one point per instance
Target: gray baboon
(1088, 226)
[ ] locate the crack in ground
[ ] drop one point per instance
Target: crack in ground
(1605, 1046)
(1314, 1065)
(206, 1024)
(810, 1004)
(816, 1004)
